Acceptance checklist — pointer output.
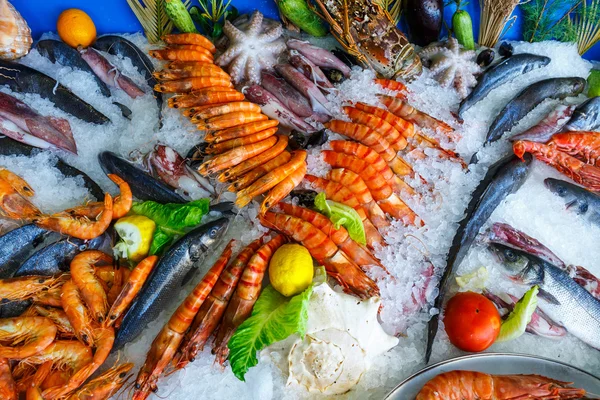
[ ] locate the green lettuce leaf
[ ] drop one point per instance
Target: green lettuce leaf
(172, 220)
(341, 214)
(274, 318)
(516, 322)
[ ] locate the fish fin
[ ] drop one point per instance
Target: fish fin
(548, 297)
(188, 276)
(432, 328)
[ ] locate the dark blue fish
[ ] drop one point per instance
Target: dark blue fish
(503, 178)
(167, 279)
(16, 245)
(578, 199)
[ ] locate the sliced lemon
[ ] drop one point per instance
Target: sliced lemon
(291, 269)
(136, 233)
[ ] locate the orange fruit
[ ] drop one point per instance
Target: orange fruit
(76, 28)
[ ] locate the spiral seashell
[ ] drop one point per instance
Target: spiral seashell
(15, 35)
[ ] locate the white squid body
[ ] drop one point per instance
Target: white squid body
(342, 338)
(15, 35)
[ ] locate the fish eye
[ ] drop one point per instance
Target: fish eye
(213, 232)
(122, 374)
(561, 191)
(583, 208)
(510, 255)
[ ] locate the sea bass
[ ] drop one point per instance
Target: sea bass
(528, 99)
(20, 122)
(548, 126)
(15, 245)
(564, 301)
(503, 178)
(168, 278)
(498, 75)
(577, 198)
(586, 116)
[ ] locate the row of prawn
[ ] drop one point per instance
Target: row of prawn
(69, 331)
(246, 150)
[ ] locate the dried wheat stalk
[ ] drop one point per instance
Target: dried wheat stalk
(495, 14)
(152, 16)
(587, 25)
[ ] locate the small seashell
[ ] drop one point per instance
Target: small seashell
(15, 35)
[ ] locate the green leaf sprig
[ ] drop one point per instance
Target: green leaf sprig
(212, 14)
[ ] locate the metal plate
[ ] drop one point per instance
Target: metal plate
(500, 364)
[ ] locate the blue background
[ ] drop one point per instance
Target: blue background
(112, 16)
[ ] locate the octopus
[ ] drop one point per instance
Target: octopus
(251, 50)
(452, 65)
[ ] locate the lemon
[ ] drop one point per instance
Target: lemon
(136, 233)
(76, 28)
(291, 269)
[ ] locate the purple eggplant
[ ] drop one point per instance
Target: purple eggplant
(109, 74)
(20, 122)
(273, 108)
(309, 69)
(551, 124)
(424, 20)
(321, 57)
(305, 86)
(286, 94)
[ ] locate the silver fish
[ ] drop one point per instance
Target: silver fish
(586, 116)
(563, 300)
(548, 126)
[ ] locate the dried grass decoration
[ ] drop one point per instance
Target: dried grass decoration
(586, 25)
(495, 15)
(152, 16)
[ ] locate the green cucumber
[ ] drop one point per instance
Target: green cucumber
(299, 14)
(463, 29)
(180, 16)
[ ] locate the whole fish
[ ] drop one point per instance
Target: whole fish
(503, 178)
(9, 147)
(577, 198)
(508, 236)
(20, 122)
(109, 74)
(15, 245)
(564, 301)
(143, 185)
(548, 126)
(286, 94)
(318, 101)
(540, 323)
(275, 109)
(168, 278)
(319, 56)
(309, 69)
(586, 116)
(528, 99)
(119, 46)
(500, 74)
(172, 169)
(63, 54)
(23, 79)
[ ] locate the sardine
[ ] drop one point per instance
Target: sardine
(275, 109)
(503, 178)
(22, 123)
(23, 79)
(577, 199)
(548, 126)
(109, 74)
(119, 46)
(563, 300)
(318, 101)
(540, 323)
(319, 56)
(586, 116)
(9, 147)
(167, 278)
(500, 74)
(310, 70)
(143, 185)
(528, 99)
(172, 169)
(286, 94)
(16, 245)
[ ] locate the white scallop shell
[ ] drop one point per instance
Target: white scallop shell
(15, 35)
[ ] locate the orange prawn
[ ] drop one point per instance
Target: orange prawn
(192, 47)
(58, 316)
(395, 86)
(218, 148)
(226, 109)
(230, 120)
(121, 203)
(77, 313)
(105, 385)
(245, 295)
(79, 227)
(170, 54)
(8, 387)
(357, 252)
(13, 197)
(197, 69)
(385, 129)
(212, 95)
(269, 180)
(240, 131)
(247, 179)
(324, 250)
(50, 297)
(26, 287)
(283, 188)
(190, 38)
(136, 280)
(406, 128)
(33, 334)
(187, 85)
(167, 341)
(213, 308)
(92, 292)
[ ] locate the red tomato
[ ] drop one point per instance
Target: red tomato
(472, 321)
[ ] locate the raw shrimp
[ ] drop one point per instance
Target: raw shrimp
(396, 86)
(170, 54)
(245, 295)
(240, 131)
(50, 297)
(230, 120)
(13, 197)
(105, 385)
(247, 179)
(336, 262)
(218, 148)
(406, 128)
(213, 95)
(227, 108)
(192, 47)
(25, 336)
(8, 387)
(381, 126)
(167, 341)
(283, 188)
(92, 292)
(198, 69)
(190, 38)
(77, 313)
(79, 227)
(213, 308)
(470, 385)
(58, 316)
(187, 85)
(26, 287)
